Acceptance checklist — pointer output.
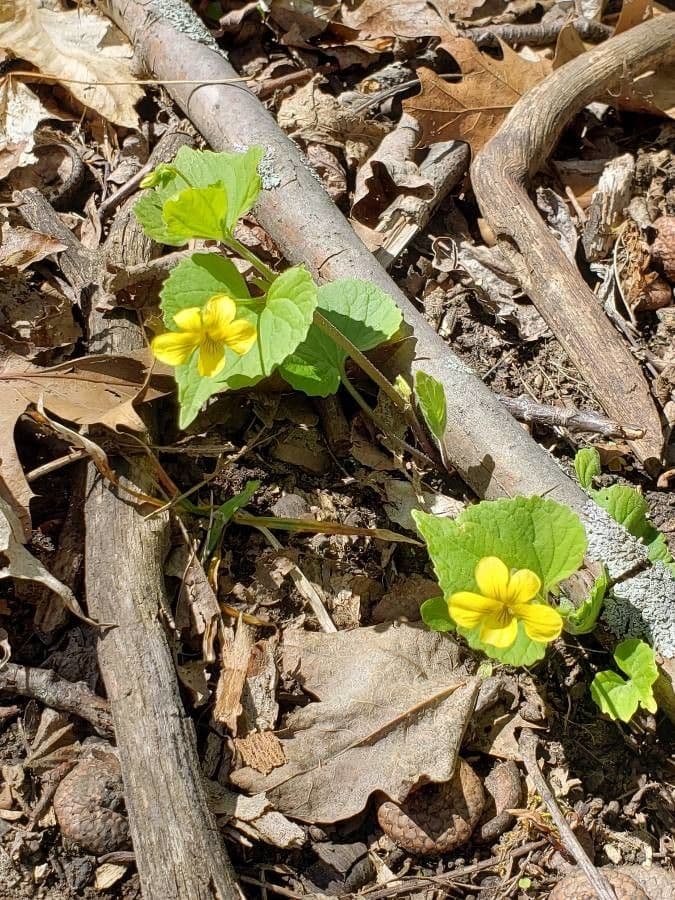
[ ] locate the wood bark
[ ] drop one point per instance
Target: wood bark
(179, 852)
(488, 448)
(500, 174)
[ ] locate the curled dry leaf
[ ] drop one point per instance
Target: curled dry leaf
(66, 45)
(472, 109)
(392, 708)
(17, 562)
(35, 317)
(389, 173)
(312, 115)
(20, 247)
(21, 110)
(663, 248)
(94, 389)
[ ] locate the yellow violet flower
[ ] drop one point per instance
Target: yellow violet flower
(505, 600)
(210, 329)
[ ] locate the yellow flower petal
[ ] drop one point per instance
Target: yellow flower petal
(492, 577)
(542, 623)
(189, 319)
(217, 314)
(211, 357)
(468, 609)
(240, 336)
(523, 586)
(499, 630)
(174, 348)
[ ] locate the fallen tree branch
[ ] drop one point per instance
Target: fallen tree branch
(537, 34)
(179, 852)
(529, 411)
(487, 447)
(499, 175)
(528, 745)
(483, 442)
(48, 688)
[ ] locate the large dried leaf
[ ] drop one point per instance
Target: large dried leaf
(406, 18)
(393, 704)
(95, 389)
(472, 109)
(66, 45)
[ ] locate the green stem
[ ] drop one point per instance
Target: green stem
(268, 274)
(403, 446)
(360, 359)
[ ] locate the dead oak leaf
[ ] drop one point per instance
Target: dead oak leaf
(472, 109)
(393, 705)
(94, 389)
(82, 48)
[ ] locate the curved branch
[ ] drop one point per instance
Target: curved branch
(500, 174)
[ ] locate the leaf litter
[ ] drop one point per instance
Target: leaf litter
(263, 712)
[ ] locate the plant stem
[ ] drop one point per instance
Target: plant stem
(401, 445)
(360, 359)
(268, 274)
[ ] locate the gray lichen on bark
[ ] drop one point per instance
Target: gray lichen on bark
(610, 543)
(185, 20)
(642, 606)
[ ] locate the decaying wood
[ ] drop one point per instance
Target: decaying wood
(50, 689)
(526, 410)
(499, 175)
(179, 852)
(609, 200)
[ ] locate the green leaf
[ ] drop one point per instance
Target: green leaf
(637, 660)
(523, 652)
(238, 180)
(587, 466)
(362, 312)
(615, 697)
(197, 213)
(281, 318)
(582, 620)
(223, 514)
(431, 399)
(193, 281)
(524, 532)
(286, 316)
(628, 507)
(435, 614)
(619, 698)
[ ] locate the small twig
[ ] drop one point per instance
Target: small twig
(526, 410)
(537, 34)
(413, 882)
(49, 688)
(305, 587)
(528, 745)
(55, 464)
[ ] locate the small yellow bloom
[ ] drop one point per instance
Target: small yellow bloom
(210, 329)
(505, 600)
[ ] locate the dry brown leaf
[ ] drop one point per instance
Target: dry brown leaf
(21, 110)
(17, 562)
(407, 18)
(312, 115)
(261, 751)
(35, 317)
(472, 109)
(388, 174)
(66, 45)
(95, 389)
(20, 247)
(393, 705)
(633, 12)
